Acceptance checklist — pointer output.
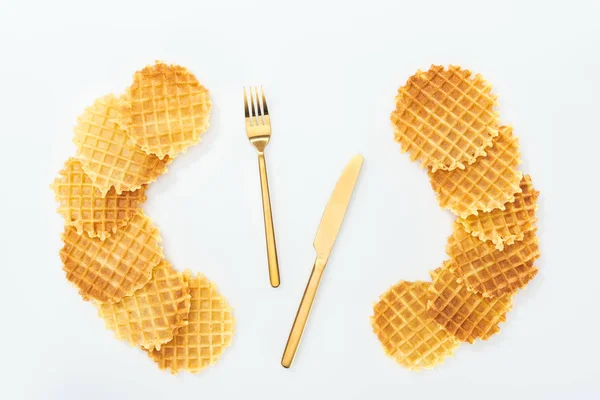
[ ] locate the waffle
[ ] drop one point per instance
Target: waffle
(504, 227)
(84, 208)
(405, 329)
(488, 184)
(107, 271)
(149, 317)
(489, 271)
(165, 110)
(445, 117)
(107, 154)
(463, 313)
(208, 333)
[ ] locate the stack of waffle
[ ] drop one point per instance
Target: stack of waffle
(112, 251)
(445, 118)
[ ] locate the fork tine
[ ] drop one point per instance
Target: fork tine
(246, 110)
(258, 102)
(260, 105)
(253, 115)
(264, 102)
(256, 112)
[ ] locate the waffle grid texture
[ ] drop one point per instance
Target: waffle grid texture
(107, 154)
(149, 317)
(84, 208)
(489, 271)
(490, 183)
(465, 314)
(165, 110)
(107, 271)
(209, 330)
(111, 250)
(405, 329)
(445, 117)
(505, 227)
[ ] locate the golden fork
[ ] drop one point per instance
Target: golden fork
(258, 128)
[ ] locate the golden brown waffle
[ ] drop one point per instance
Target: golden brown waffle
(84, 207)
(208, 333)
(488, 184)
(487, 270)
(107, 154)
(149, 317)
(445, 117)
(406, 330)
(165, 110)
(107, 271)
(504, 227)
(463, 313)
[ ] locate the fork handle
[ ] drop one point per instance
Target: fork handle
(269, 231)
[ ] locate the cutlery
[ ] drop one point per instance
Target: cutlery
(258, 129)
(326, 235)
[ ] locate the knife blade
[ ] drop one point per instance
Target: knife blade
(327, 233)
(334, 213)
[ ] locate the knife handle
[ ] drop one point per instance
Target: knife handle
(302, 314)
(268, 216)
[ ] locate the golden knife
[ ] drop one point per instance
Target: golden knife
(326, 234)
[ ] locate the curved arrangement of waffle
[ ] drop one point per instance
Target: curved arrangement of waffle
(112, 251)
(445, 119)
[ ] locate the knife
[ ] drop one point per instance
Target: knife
(326, 234)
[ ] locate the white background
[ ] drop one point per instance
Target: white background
(330, 71)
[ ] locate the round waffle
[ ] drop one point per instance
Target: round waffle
(107, 271)
(106, 153)
(84, 208)
(445, 117)
(488, 184)
(489, 271)
(111, 250)
(165, 110)
(208, 333)
(149, 317)
(406, 330)
(463, 313)
(504, 227)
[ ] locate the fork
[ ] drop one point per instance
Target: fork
(258, 129)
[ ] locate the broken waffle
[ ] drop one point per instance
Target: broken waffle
(84, 208)
(106, 153)
(406, 330)
(465, 314)
(208, 333)
(445, 118)
(490, 183)
(107, 271)
(165, 110)
(504, 227)
(487, 270)
(149, 317)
